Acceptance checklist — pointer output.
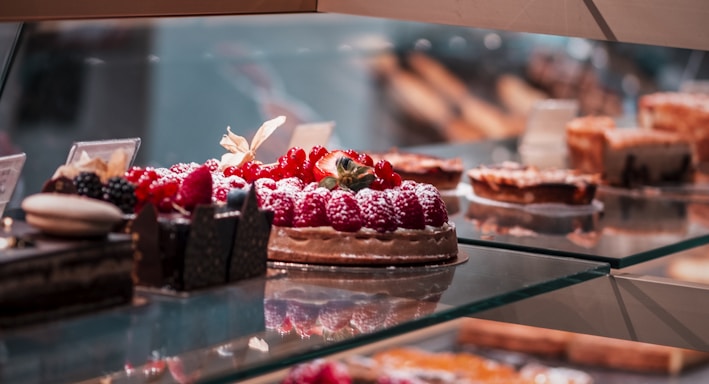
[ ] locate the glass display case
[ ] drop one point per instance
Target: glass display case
(178, 82)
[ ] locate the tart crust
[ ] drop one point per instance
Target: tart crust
(324, 245)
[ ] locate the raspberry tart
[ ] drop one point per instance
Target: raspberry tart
(515, 183)
(340, 208)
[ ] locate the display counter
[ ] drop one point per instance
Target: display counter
(570, 273)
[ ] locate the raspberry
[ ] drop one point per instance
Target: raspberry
(434, 209)
(235, 182)
(310, 187)
(88, 184)
(219, 194)
(333, 372)
(378, 184)
(212, 164)
(134, 173)
(409, 213)
(196, 189)
(319, 372)
(183, 167)
(309, 210)
(264, 183)
(281, 203)
(408, 185)
(291, 183)
(343, 212)
(121, 193)
(376, 210)
(162, 193)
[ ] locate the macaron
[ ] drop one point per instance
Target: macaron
(70, 215)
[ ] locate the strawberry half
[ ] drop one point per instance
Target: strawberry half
(326, 165)
(337, 169)
(196, 189)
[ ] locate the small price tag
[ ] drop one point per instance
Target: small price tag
(10, 170)
(307, 136)
(103, 149)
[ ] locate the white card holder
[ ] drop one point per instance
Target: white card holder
(307, 136)
(10, 170)
(103, 149)
(543, 143)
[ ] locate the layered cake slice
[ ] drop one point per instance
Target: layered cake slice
(63, 266)
(515, 183)
(686, 114)
(627, 157)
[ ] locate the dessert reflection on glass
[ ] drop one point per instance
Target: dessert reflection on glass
(341, 303)
(506, 220)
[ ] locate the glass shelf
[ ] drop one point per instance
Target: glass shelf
(205, 337)
(627, 231)
(633, 226)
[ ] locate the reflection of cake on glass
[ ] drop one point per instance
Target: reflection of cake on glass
(515, 183)
(506, 218)
(337, 303)
(627, 157)
(643, 216)
(686, 114)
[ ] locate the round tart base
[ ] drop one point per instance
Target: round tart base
(324, 245)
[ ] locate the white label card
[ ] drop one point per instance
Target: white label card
(103, 149)
(307, 136)
(10, 170)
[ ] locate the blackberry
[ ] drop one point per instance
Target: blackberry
(121, 193)
(88, 184)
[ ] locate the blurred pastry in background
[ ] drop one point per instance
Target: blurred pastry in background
(578, 348)
(444, 174)
(484, 116)
(627, 157)
(691, 269)
(424, 90)
(686, 114)
(562, 77)
(517, 95)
